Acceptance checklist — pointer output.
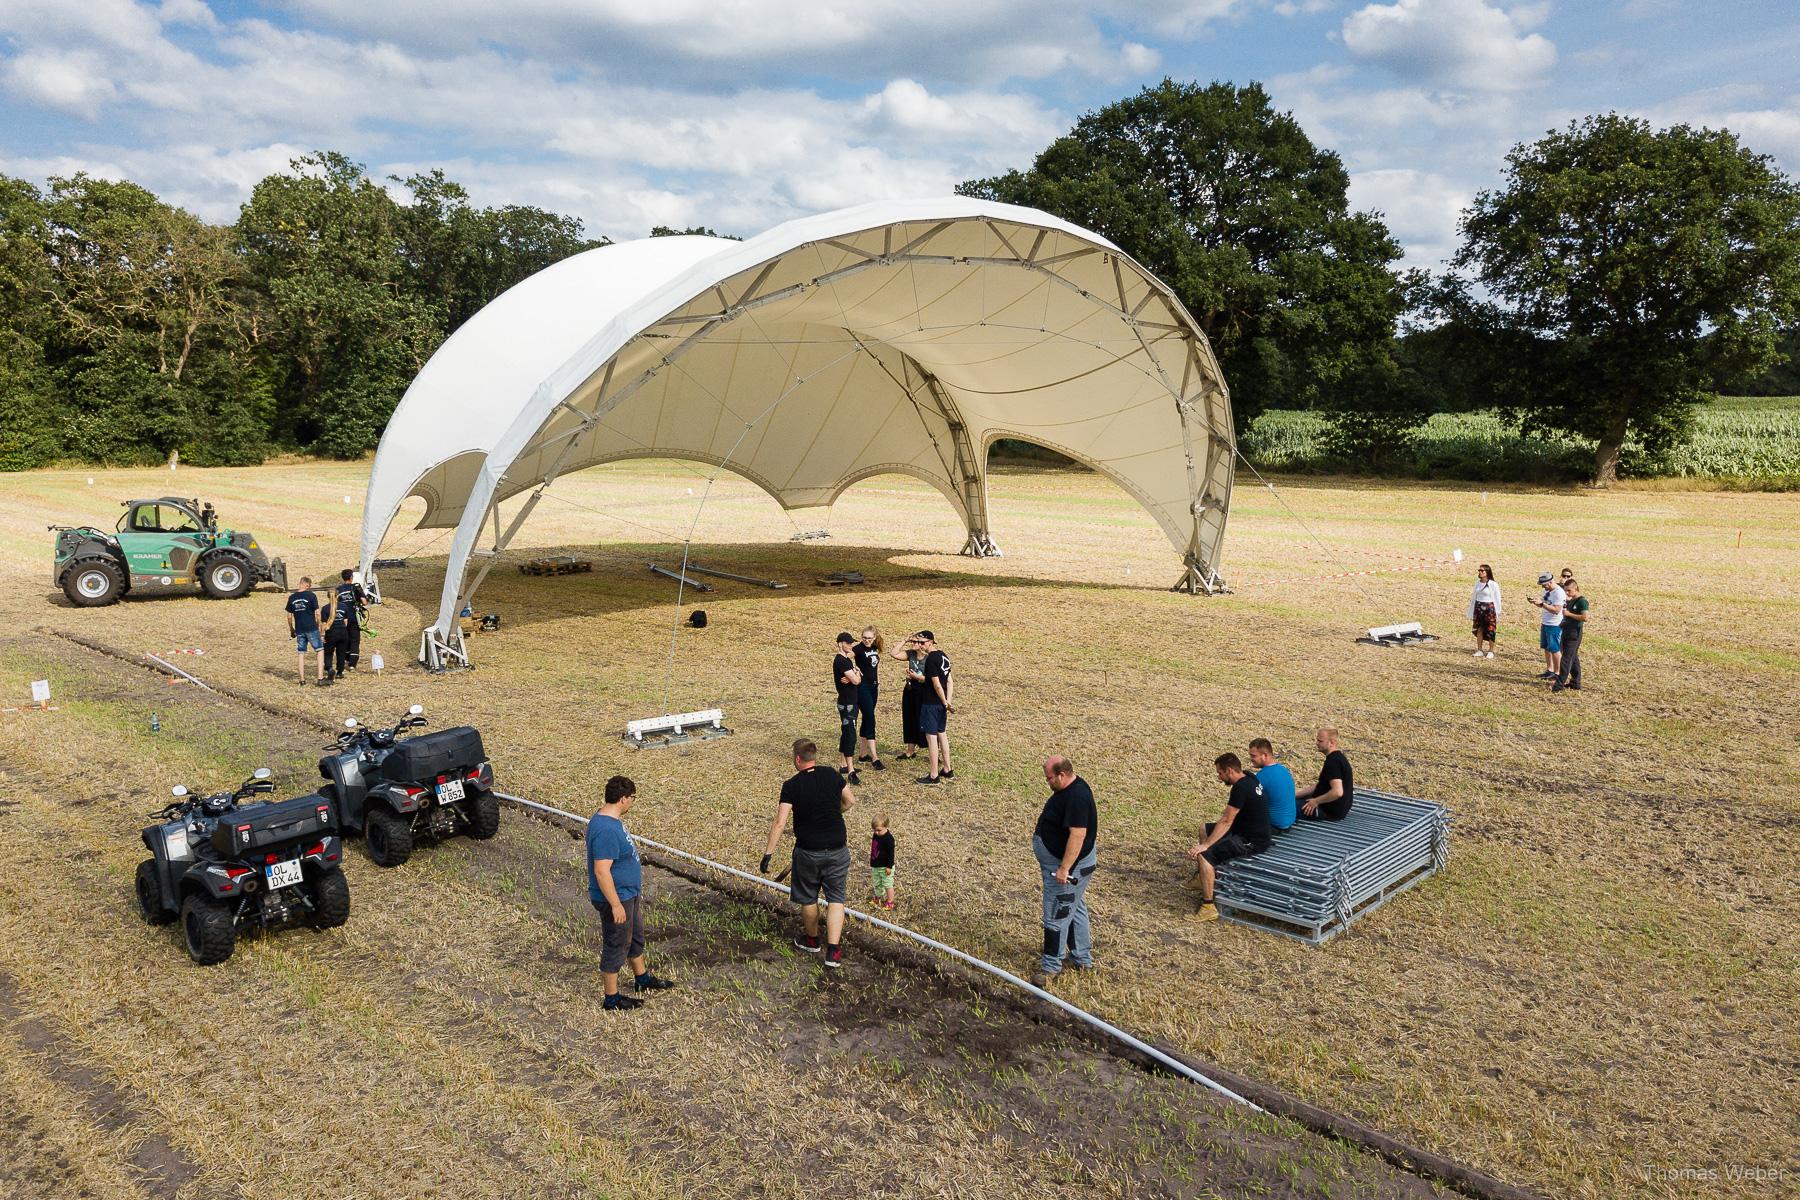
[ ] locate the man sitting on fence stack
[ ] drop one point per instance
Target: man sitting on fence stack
(1241, 830)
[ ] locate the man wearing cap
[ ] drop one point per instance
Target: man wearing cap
(939, 703)
(1550, 624)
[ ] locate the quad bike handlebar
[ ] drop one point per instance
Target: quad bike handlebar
(355, 730)
(188, 800)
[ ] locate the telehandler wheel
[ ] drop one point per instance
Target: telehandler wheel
(226, 577)
(483, 813)
(389, 835)
(208, 929)
(93, 583)
(331, 899)
(149, 895)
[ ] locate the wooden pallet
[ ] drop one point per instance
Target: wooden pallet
(561, 564)
(840, 578)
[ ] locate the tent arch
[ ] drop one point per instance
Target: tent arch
(899, 336)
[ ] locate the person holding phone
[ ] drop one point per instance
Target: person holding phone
(912, 696)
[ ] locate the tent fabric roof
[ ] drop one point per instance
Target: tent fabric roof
(901, 336)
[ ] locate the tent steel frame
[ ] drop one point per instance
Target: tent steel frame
(442, 643)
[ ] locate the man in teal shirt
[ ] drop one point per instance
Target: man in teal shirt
(1277, 782)
(615, 888)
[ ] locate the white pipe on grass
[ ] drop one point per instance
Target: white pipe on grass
(1080, 1014)
(172, 667)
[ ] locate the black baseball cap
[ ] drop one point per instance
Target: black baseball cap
(925, 635)
(846, 637)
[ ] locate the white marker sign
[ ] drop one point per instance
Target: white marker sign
(40, 691)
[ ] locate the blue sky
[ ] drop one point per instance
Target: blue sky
(740, 113)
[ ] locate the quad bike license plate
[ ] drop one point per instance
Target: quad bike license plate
(284, 874)
(451, 792)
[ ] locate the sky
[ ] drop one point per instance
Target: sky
(738, 114)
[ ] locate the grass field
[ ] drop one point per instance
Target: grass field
(1597, 998)
(1736, 440)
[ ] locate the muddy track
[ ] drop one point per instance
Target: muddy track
(906, 1006)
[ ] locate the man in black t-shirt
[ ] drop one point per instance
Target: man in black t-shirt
(302, 610)
(817, 797)
(939, 703)
(350, 595)
(337, 633)
(1242, 830)
(1063, 842)
(846, 675)
(1330, 798)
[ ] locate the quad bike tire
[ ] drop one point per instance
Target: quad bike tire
(208, 929)
(389, 837)
(483, 813)
(331, 899)
(149, 895)
(93, 583)
(226, 577)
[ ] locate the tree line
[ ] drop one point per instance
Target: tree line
(1617, 275)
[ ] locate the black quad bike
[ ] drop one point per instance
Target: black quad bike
(219, 864)
(396, 790)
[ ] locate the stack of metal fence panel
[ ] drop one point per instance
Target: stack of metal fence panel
(1320, 876)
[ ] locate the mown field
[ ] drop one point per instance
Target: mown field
(1595, 1000)
(1736, 440)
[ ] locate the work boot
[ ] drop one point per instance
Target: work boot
(1041, 978)
(1208, 911)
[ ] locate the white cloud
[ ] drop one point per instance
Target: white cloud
(1463, 44)
(1422, 209)
(73, 82)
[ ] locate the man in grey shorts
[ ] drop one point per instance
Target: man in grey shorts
(818, 798)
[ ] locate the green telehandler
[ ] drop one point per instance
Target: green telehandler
(168, 541)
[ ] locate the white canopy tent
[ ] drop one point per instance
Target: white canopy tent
(901, 336)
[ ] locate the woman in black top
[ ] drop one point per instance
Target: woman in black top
(845, 677)
(911, 696)
(868, 660)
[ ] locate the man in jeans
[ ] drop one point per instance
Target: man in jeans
(1575, 619)
(1064, 845)
(615, 888)
(818, 798)
(1550, 630)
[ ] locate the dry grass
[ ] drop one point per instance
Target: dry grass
(1600, 989)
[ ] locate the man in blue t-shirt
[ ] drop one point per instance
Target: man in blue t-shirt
(616, 887)
(303, 615)
(1277, 783)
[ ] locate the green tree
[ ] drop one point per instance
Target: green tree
(347, 331)
(691, 231)
(32, 414)
(1627, 271)
(1230, 203)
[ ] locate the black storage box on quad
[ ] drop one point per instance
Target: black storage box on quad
(423, 758)
(260, 826)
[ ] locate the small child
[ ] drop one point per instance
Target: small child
(881, 862)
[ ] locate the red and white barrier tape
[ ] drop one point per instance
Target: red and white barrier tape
(1425, 566)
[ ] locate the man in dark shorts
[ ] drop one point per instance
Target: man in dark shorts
(1241, 830)
(845, 675)
(939, 703)
(1330, 798)
(818, 798)
(1575, 619)
(337, 635)
(616, 890)
(1064, 842)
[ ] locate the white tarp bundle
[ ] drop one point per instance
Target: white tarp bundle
(901, 336)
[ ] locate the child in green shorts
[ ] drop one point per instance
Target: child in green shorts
(881, 862)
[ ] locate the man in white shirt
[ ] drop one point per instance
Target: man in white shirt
(1550, 624)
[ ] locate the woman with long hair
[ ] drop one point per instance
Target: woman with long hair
(868, 658)
(1484, 611)
(911, 696)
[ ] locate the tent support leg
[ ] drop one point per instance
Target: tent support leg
(1197, 581)
(440, 653)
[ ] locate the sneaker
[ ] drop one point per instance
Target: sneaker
(1574, 687)
(843, 770)
(879, 765)
(1546, 674)
(834, 957)
(807, 943)
(1207, 911)
(651, 983)
(888, 904)
(1490, 654)
(1557, 686)
(855, 777)
(1195, 882)
(947, 773)
(928, 780)
(1041, 978)
(863, 758)
(620, 1001)
(1478, 654)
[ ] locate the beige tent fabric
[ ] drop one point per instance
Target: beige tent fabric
(899, 337)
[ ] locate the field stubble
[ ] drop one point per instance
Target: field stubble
(1600, 988)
